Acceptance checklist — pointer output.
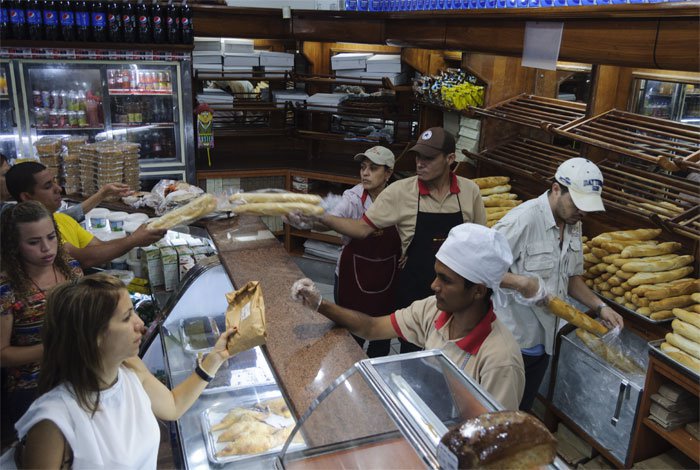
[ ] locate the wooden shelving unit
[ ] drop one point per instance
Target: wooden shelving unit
(534, 111)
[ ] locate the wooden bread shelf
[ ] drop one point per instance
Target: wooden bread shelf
(679, 438)
(669, 144)
(248, 76)
(534, 111)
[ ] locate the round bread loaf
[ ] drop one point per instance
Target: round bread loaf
(504, 439)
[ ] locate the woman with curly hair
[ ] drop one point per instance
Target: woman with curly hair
(32, 262)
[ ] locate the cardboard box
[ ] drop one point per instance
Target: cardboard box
(171, 275)
(384, 63)
(185, 260)
(251, 59)
(277, 59)
(154, 266)
(237, 45)
(350, 60)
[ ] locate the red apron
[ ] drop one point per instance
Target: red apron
(368, 272)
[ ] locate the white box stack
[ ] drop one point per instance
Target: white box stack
(350, 60)
(206, 56)
(236, 45)
(322, 101)
(276, 61)
(384, 63)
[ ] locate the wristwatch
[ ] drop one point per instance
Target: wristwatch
(203, 374)
(599, 308)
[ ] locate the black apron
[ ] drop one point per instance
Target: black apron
(419, 272)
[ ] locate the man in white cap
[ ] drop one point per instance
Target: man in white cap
(423, 208)
(544, 235)
(459, 319)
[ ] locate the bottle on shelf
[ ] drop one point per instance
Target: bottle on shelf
(186, 27)
(143, 20)
(157, 23)
(172, 14)
(98, 21)
(18, 19)
(114, 22)
(50, 17)
(82, 21)
(4, 19)
(34, 21)
(67, 20)
(128, 22)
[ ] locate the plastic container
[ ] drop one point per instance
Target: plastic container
(136, 217)
(116, 221)
(98, 219)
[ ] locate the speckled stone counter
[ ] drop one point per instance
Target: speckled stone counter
(306, 351)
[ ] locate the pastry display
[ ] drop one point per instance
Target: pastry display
(497, 199)
(503, 439)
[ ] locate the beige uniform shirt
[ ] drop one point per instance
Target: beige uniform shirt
(398, 205)
(533, 237)
(489, 353)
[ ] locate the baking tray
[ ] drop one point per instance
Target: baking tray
(212, 329)
(655, 349)
(214, 414)
(632, 312)
(245, 369)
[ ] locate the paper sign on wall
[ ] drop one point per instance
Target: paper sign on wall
(542, 43)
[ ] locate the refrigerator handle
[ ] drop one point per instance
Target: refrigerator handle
(624, 387)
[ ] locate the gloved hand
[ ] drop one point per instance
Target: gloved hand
(534, 292)
(299, 220)
(305, 292)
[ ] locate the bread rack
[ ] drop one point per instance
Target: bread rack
(672, 145)
(534, 111)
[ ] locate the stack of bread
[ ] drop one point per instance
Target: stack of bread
(643, 274)
(683, 344)
(498, 200)
(71, 162)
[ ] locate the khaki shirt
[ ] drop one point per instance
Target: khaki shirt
(533, 237)
(489, 353)
(398, 205)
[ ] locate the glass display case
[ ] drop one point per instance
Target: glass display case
(667, 99)
(10, 133)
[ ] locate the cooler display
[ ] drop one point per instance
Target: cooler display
(9, 136)
(668, 100)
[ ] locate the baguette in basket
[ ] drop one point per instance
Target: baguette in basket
(190, 212)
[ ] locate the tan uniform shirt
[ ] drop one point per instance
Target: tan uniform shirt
(398, 205)
(533, 237)
(489, 353)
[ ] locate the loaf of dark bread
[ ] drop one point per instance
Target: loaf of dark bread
(503, 439)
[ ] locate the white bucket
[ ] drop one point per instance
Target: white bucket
(98, 219)
(116, 221)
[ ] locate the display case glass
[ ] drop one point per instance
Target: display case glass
(672, 100)
(10, 134)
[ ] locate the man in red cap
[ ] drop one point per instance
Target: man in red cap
(423, 208)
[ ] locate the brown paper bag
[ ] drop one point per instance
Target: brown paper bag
(246, 311)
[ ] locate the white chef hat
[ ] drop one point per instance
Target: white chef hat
(477, 253)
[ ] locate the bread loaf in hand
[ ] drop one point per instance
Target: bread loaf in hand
(278, 208)
(190, 212)
(569, 313)
(275, 197)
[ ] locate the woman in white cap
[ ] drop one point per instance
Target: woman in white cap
(544, 235)
(471, 265)
(366, 273)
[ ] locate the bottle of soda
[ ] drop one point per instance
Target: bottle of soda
(172, 27)
(98, 21)
(67, 20)
(50, 18)
(114, 22)
(4, 19)
(157, 24)
(143, 20)
(128, 22)
(34, 22)
(186, 25)
(82, 21)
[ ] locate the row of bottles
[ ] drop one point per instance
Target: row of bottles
(131, 110)
(96, 21)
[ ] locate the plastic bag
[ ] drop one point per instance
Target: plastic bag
(612, 350)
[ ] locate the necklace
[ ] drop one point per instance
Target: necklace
(55, 278)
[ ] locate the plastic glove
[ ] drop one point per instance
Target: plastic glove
(540, 295)
(306, 292)
(299, 221)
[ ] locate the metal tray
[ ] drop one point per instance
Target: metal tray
(655, 349)
(214, 414)
(212, 329)
(632, 312)
(246, 369)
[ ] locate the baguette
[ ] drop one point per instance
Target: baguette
(688, 317)
(618, 291)
(669, 303)
(622, 261)
(623, 275)
(615, 281)
(591, 258)
(495, 190)
(496, 215)
(586, 249)
(608, 353)
(643, 290)
(685, 288)
(656, 278)
(696, 297)
(629, 235)
(630, 306)
(494, 210)
(500, 196)
(191, 211)
(656, 266)
(589, 282)
(563, 310)
(618, 245)
(606, 276)
(275, 197)
(694, 308)
(278, 208)
(687, 330)
(599, 252)
(619, 300)
(604, 286)
(685, 359)
(684, 344)
(644, 311)
(501, 203)
(612, 269)
(610, 258)
(635, 251)
(662, 315)
(491, 181)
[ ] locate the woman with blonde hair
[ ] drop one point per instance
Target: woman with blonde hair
(33, 262)
(98, 402)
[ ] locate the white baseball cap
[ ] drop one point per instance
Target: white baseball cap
(585, 182)
(477, 253)
(379, 155)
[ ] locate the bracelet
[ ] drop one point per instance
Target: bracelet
(204, 375)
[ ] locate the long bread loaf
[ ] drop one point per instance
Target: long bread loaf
(622, 261)
(501, 202)
(275, 197)
(636, 251)
(686, 330)
(643, 289)
(656, 278)
(563, 310)
(493, 197)
(688, 317)
(689, 287)
(627, 235)
(656, 266)
(685, 359)
(684, 344)
(670, 303)
(491, 181)
(661, 315)
(618, 245)
(191, 211)
(278, 208)
(495, 190)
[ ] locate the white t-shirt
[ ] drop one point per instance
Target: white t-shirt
(123, 433)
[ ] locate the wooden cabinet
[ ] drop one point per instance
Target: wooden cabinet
(650, 439)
